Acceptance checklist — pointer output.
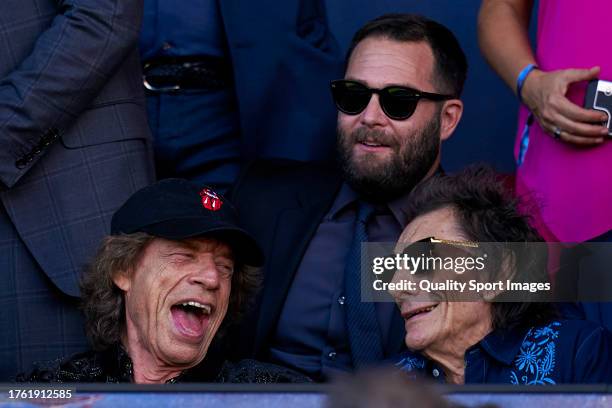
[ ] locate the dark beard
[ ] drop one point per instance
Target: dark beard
(383, 182)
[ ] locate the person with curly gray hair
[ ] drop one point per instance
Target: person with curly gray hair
(175, 267)
(498, 336)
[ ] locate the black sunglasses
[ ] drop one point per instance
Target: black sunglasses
(431, 246)
(398, 102)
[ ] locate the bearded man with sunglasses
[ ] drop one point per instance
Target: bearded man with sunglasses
(398, 101)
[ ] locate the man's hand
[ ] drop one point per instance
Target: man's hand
(545, 95)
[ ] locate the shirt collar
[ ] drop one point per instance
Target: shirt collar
(397, 209)
(346, 197)
(503, 345)
(121, 366)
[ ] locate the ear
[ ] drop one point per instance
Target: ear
(506, 272)
(490, 295)
(450, 115)
(122, 280)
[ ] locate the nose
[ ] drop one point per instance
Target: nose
(207, 275)
(373, 115)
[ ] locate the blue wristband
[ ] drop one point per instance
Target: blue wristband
(521, 80)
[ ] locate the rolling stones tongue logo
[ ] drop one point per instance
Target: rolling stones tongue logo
(210, 200)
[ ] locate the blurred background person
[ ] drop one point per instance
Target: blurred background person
(74, 144)
(229, 81)
(384, 388)
(490, 340)
(562, 150)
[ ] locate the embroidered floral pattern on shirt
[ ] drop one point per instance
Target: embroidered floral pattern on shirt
(536, 359)
(410, 363)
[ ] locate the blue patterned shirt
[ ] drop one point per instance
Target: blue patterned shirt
(562, 352)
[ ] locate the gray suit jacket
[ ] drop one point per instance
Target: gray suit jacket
(74, 141)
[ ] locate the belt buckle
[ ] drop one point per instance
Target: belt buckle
(154, 88)
(150, 87)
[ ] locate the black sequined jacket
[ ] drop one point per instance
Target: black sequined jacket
(114, 365)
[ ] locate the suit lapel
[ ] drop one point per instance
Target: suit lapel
(294, 228)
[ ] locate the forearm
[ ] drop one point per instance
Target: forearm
(70, 63)
(503, 27)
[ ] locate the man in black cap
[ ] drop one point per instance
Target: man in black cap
(159, 289)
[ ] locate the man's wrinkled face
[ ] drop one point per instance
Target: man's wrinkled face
(384, 158)
(440, 322)
(176, 299)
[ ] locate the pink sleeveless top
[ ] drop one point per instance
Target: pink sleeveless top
(571, 185)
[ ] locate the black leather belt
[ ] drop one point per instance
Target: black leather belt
(184, 73)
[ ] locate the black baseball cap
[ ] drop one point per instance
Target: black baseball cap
(179, 209)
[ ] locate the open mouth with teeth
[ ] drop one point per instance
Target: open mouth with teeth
(190, 318)
(418, 312)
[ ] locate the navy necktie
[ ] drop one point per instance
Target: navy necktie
(362, 323)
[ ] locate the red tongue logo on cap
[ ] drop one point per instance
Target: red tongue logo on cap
(210, 200)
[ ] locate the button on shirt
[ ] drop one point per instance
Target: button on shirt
(311, 333)
(562, 352)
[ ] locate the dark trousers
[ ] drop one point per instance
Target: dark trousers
(37, 321)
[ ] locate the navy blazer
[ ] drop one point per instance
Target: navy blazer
(283, 61)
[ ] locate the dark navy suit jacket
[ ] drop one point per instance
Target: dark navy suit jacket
(283, 61)
(282, 203)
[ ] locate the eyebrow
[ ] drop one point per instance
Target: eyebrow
(183, 244)
(196, 247)
(405, 85)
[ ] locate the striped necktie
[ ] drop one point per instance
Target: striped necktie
(362, 323)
